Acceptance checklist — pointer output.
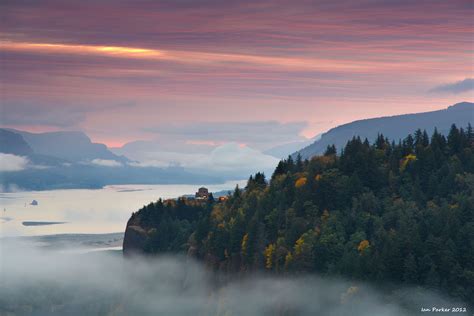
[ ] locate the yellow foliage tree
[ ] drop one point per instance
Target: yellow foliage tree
(300, 182)
(268, 253)
(318, 177)
(245, 240)
(363, 245)
(299, 246)
(288, 260)
(406, 160)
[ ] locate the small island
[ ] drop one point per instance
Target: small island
(36, 223)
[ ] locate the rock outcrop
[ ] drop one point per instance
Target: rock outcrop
(135, 238)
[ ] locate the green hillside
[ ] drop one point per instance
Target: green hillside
(383, 212)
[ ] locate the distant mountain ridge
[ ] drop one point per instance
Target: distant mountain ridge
(392, 127)
(13, 143)
(63, 160)
(73, 146)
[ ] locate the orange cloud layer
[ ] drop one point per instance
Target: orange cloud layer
(224, 59)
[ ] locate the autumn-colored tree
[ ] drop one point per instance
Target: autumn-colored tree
(396, 211)
(363, 246)
(269, 254)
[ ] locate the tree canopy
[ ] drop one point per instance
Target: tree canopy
(396, 212)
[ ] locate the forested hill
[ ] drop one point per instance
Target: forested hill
(393, 127)
(382, 212)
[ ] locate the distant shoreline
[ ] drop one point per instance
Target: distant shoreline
(94, 188)
(72, 241)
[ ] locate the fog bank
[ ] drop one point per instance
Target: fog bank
(43, 282)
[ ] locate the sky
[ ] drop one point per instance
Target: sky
(194, 74)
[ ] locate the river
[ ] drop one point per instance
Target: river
(69, 215)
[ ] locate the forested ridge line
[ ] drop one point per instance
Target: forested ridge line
(383, 212)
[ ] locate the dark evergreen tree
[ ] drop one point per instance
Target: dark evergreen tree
(391, 212)
(330, 150)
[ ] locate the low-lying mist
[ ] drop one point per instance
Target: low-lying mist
(36, 281)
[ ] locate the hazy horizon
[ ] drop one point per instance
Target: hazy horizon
(216, 87)
(236, 157)
(179, 72)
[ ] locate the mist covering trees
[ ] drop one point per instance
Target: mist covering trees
(382, 212)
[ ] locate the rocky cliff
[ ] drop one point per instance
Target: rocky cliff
(135, 237)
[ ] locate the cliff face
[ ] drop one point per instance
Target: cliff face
(166, 226)
(135, 237)
(12, 143)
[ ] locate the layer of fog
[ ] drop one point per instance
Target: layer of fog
(41, 282)
(229, 160)
(10, 162)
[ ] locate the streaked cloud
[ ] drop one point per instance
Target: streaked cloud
(150, 163)
(192, 62)
(261, 134)
(465, 85)
(106, 163)
(40, 114)
(204, 58)
(110, 51)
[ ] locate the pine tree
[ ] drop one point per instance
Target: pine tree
(299, 163)
(380, 212)
(454, 140)
(330, 150)
(410, 274)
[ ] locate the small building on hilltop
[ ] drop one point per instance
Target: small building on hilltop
(202, 194)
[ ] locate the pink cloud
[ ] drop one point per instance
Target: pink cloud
(321, 62)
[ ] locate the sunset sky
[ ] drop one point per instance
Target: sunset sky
(256, 73)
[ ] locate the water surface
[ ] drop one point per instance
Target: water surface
(84, 211)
